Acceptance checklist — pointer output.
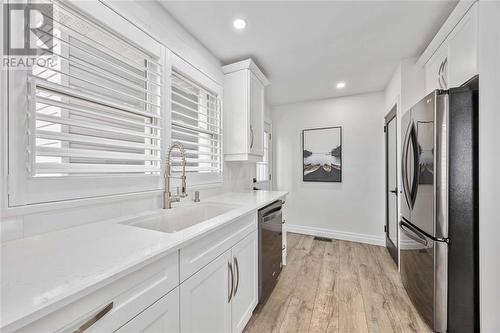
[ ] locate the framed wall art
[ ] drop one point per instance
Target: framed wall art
(322, 154)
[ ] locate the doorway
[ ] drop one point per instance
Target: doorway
(391, 183)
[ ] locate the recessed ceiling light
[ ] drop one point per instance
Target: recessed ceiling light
(340, 85)
(239, 24)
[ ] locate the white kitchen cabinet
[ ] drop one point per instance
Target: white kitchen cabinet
(162, 316)
(455, 61)
(244, 93)
(118, 302)
(245, 291)
(205, 303)
(436, 70)
(222, 295)
(462, 49)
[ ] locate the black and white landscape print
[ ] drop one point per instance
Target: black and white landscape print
(322, 154)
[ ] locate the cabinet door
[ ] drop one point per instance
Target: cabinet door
(161, 317)
(256, 116)
(463, 49)
(245, 293)
(206, 298)
(436, 70)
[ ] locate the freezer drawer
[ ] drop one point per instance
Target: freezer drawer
(423, 272)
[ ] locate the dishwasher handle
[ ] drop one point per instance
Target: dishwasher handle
(272, 216)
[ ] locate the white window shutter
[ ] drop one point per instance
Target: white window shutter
(98, 111)
(196, 123)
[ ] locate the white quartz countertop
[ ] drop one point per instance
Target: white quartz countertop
(43, 273)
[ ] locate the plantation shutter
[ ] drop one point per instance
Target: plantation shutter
(196, 123)
(98, 110)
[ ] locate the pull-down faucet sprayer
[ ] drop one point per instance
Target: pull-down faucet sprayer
(168, 198)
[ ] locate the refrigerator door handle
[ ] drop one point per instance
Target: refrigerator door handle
(410, 191)
(412, 233)
(404, 170)
(416, 165)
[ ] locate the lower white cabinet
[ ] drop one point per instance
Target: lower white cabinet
(161, 317)
(210, 285)
(206, 298)
(245, 291)
(222, 295)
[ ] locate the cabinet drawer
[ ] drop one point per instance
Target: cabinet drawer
(129, 295)
(162, 316)
(196, 255)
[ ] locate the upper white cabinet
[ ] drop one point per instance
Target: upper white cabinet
(436, 70)
(455, 61)
(244, 86)
(462, 49)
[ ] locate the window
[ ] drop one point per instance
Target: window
(263, 173)
(93, 119)
(196, 123)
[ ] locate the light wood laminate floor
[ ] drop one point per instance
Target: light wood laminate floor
(340, 287)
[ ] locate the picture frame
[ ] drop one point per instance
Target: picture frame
(322, 154)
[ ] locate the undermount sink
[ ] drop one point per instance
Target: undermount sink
(179, 218)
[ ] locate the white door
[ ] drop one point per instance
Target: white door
(161, 317)
(256, 115)
(391, 185)
(245, 293)
(206, 298)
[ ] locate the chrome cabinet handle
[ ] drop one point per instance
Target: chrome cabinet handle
(441, 79)
(230, 271)
(94, 318)
(237, 267)
(251, 137)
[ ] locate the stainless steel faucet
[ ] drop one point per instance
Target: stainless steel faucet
(168, 198)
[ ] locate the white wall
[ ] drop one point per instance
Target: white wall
(489, 161)
(151, 17)
(354, 208)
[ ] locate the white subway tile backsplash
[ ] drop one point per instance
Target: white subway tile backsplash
(141, 205)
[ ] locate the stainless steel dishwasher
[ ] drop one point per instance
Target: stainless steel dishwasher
(270, 248)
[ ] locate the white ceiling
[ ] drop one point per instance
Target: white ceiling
(306, 47)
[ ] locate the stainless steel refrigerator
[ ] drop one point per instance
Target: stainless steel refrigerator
(439, 208)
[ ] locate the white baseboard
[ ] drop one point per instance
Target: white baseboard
(342, 235)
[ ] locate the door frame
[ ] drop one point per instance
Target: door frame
(391, 247)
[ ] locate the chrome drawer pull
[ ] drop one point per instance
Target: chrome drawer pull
(237, 268)
(94, 318)
(231, 275)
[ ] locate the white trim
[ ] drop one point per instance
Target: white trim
(334, 234)
(456, 15)
(247, 64)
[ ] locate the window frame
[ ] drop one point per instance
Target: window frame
(175, 62)
(25, 190)
(267, 129)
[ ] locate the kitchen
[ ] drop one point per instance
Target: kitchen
(172, 166)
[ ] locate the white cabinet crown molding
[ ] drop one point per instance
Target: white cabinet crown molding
(246, 64)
